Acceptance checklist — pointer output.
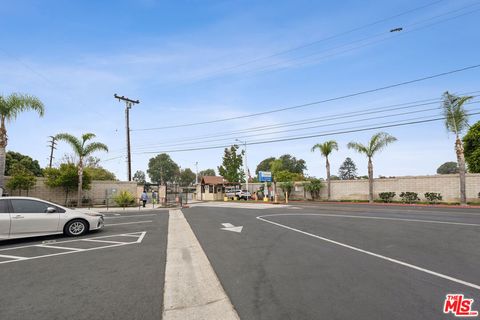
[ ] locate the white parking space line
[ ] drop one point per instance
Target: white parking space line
(104, 241)
(375, 218)
(11, 257)
(123, 223)
(56, 247)
(132, 216)
(139, 235)
(408, 265)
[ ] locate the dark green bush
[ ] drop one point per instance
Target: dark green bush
(433, 197)
(387, 196)
(409, 197)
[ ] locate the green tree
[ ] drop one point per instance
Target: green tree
(292, 164)
(231, 168)
(66, 177)
(377, 143)
(21, 178)
(348, 170)
(162, 169)
(82, 150)
(456, 121)
(287, 188)
(187, 177)
(449, 167)
(206, 172)
(100, 173)
(471, 144)
(14, 158)
(326, 149)
(139, 177)
(264, 165)
(10, 107)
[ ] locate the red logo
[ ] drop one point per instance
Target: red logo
(459, 306)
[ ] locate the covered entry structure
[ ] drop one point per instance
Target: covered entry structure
(211, 188)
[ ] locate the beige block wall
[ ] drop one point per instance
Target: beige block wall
(97, 193)
(447, 185)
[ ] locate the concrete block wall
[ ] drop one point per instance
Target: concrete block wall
(448, 185)
(97, 192)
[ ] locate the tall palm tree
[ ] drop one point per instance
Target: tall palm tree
(325, 149)
(10, 107)
(82, 150)
(377, 142)
(456, 121)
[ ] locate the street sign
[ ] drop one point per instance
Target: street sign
(264, 176)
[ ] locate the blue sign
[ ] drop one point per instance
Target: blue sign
(264, 176)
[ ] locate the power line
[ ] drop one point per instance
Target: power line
(350, 95)
(309, 44)
(376, 110)
(305, 137)
(301, 129)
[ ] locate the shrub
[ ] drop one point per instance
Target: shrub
(433, 197)
(409, 197)
(387, 196)
(314, 186)
(124, 199)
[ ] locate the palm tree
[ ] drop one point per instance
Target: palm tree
(325, 149)
(81, 151)
(10, 107)
(377, 142)
(456, 121)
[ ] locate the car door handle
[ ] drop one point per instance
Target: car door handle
(18, 216)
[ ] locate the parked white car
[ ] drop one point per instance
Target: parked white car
(22, 217)
(240, 194)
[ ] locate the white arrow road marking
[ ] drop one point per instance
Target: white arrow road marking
(231, 227)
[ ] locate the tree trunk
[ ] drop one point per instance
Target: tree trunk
(328, 179)
(370, 180)
(3, 145)
(461, 170)
(80, 183)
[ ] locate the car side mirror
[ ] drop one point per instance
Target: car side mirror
(51, 210)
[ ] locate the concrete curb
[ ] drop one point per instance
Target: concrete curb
(192, 289)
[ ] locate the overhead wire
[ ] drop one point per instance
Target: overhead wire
(350, 95)
(350, 114)
(305, 136)
(297, 129)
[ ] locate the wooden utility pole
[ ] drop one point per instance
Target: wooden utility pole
(128, 105)
(52, 147)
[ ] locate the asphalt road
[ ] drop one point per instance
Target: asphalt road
(313, 263)
(114, 282)
(298, 262)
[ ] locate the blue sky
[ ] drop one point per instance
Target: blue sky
(190, 61)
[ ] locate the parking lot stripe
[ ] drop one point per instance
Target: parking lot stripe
(104, 241)
(18, 258)
(133, 222)
(408, 265)
(375, 218)
(12, 257)
(56, 247)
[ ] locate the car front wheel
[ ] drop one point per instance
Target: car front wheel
(76, 228)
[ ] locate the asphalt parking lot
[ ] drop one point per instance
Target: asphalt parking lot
(342, 261)
(272, 262)
(115, 273)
